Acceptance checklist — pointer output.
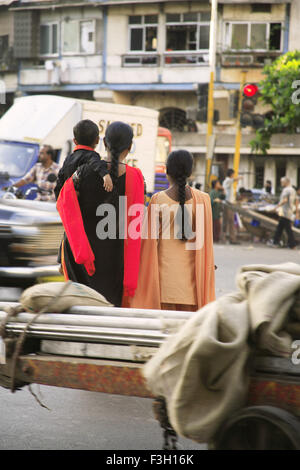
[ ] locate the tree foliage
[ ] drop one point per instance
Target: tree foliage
(280, 90)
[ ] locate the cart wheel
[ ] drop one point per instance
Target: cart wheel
(259, 428)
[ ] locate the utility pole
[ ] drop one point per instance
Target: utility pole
(238, 138)
(210, 138)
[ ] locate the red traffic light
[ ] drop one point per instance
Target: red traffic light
(250, 90)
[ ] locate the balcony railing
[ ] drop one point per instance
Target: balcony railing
(186, 58)
(135, 60)
(249, 59)
(168, 59)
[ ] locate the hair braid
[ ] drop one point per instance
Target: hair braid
(179, 168)
(114, 166)
(118, 137)
(181, 182)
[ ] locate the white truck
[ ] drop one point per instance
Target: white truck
(47, 119)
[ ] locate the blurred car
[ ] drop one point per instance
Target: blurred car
(30, 235)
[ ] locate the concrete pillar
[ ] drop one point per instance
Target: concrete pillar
(230, 160)
(251, 178)
(244, 172)
(105, 95)
(292, 170)
(161, 43)
(270, 171)
(199, 168)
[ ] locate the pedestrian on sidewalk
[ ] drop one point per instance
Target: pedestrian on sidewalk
(285, 209)
(217, 196)
(229, 225)
(177, 270)
(100, 250)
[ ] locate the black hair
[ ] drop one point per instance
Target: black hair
(198, 185)
(50, 151)
(213, 183)
(179, 167)
(229, 172)
(118, 137)
(86, 132)
(269, 182)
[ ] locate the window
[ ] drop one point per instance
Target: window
(143, 33)
(256, 36)
(79, 36)
(275, 37)
(188, 31)
(173, 119)
(261, 8)
(259, 176)
(49, 39)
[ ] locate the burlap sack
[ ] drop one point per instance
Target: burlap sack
(38, 296)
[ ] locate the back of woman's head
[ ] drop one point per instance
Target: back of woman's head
(118, 137)
(179, 164)
(179, 168)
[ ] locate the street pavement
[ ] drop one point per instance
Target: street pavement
(229, 258)
(80, 420)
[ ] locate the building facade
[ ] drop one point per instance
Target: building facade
(156, 54)
(8, 64)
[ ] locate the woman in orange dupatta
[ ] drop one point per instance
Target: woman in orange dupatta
(98, 250)
(177, 270)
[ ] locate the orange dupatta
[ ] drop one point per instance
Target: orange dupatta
(148, 290)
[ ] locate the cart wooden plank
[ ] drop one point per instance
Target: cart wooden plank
(113, 377)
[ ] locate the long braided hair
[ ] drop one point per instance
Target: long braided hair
(179, 168)
(118, 137)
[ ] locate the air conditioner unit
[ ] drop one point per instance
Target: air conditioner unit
(53, 72)
(237, 60)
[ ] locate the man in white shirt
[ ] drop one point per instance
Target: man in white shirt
(228, 214)
(39, 174)
(285, 210)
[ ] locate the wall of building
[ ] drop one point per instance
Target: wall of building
(294, 25)
(164, 100)
(244, 13)
(8, 78)
(7, 24)
(73, 68)
(88, 69)
(118, 45)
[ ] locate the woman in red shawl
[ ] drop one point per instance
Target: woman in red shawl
(98, 250)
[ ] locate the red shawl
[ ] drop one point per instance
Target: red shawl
(134, 192)
(70, 213)
(69, 210)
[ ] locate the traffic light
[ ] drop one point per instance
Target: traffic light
(249, 99)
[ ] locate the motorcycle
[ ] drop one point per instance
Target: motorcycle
(16, 193)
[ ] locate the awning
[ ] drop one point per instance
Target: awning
(110, 86)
